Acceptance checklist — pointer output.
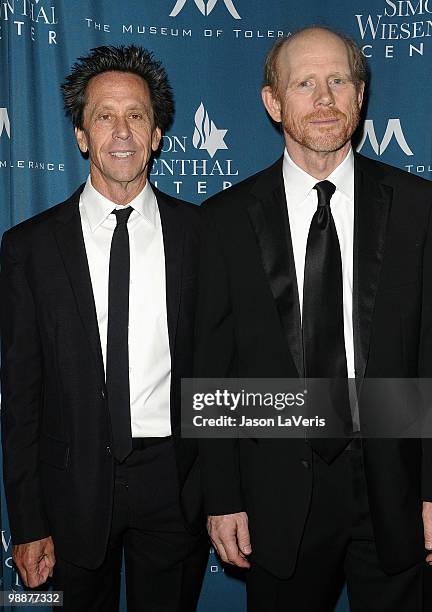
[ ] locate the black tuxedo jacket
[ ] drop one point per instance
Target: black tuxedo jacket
(58, 466)
(248, 325)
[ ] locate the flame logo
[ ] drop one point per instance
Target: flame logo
(206, 7)
(206, 135)
(202, 127)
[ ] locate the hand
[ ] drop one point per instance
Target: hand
(427, 527)
(230, 536)
(35, 561)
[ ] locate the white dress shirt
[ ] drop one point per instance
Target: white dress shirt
(149, 354)
(302, 202)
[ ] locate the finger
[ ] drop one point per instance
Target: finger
(238, 560)
(22, 570)
(428, 539)
(234, 555)
(43, 575)
(51, 561)
(220, 549)
(23, 574)
(43, 569)
(34, 580)
(244, 540)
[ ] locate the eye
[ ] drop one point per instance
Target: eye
(104, 117)
(305, 84)
(338, 81)
(136, 116)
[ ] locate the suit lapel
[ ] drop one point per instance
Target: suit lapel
(70, 242)
(173, 238)
(269, 218)
(372, 201)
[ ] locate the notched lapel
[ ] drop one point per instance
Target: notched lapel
(371, 211)
(70, 242)
(173, 238)
(269, 218)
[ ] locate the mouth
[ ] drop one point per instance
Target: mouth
(122, 154)
(329, 121)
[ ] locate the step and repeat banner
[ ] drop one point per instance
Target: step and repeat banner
(213, 51)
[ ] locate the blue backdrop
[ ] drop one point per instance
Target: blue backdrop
(214, 52)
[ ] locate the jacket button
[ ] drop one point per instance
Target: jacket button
(102, 394)
(108, 450)
(305, 463)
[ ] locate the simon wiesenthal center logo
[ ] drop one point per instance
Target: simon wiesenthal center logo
(393, 130)
(29, 19)
(206, 7)
(206, 135)
(198, 160)
(4, 122)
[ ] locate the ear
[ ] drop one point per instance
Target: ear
(271, 103)
(81, 140)
(360, 93)
(156, 138)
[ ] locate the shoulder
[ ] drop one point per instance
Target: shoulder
(178, 214)
(182, 207)
(43, 220)
(240, 195)
(394, 177)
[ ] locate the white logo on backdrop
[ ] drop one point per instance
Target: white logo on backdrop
(4, 121)
(206, 7)
(393, 128)
(206, 135)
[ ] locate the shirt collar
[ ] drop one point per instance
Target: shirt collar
(299, 184)
(98, 208)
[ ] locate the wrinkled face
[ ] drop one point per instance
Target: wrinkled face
(119, 133)
(317, 101)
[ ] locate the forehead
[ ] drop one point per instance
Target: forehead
(313, 51)
(117, 86)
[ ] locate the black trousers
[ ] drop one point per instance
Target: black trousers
(338, 545)
(164, 564)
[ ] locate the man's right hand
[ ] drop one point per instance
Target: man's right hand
(35, 561)
(230, 536)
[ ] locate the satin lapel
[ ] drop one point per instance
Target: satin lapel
(372, 202)
(269, 218)
(173, 237)
(70, 242)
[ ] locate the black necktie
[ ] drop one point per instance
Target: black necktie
(117, 359)
(322, 320)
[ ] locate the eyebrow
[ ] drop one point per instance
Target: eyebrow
(106, 108)
(312, 75)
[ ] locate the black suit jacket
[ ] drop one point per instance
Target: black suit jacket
(248, 325)
(58, 465)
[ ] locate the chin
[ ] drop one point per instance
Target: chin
(325, 143)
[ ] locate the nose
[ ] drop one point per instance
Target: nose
(121, 129)
(323, 95)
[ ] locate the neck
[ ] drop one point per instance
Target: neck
(319, 164)
(117, 192)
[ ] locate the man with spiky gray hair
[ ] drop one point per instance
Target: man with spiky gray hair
(97, 316)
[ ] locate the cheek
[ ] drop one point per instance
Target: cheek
(292, 117)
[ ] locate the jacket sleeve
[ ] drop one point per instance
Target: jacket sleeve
(425, 358)
(215, 357)
(21, 378)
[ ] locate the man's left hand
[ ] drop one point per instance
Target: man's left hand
(427, 527)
